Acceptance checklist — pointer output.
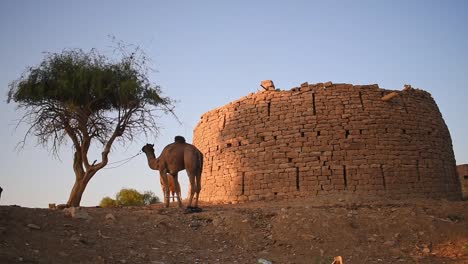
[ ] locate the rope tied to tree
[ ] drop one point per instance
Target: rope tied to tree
(124, 161)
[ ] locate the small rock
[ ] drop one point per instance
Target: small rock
(407, 87)
(264, 261)
(371, 239)
(52, 206)
(426, 250)
(79, 238)
(33, 226)
(338, 260)
(161, 242)
(61, 206)
(103, 236)
(110, 217)
(328, 84)
(194, 224)
(395, 251)
(389, 243)
(77, 212)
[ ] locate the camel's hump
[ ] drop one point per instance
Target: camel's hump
(179, 139)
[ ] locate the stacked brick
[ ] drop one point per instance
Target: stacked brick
(326, 138)
(463, 176)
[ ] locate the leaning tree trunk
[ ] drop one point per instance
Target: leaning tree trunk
(82, 178)
(76, 193)
(79, 187)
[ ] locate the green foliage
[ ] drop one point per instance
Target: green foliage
(129, 197)
(86, 79)
(150, 198)
(107, 202)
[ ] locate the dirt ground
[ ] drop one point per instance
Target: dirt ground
(299, 231)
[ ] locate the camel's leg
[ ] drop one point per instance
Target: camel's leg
(170, 179)
(179, 192)
(197, 192)
(177, 188)
(163, 187)
(193, 187)
(163, 175)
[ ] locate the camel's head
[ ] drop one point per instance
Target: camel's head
(148, 148)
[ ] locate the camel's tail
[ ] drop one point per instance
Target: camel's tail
(200, 169)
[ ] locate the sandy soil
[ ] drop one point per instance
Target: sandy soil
(299, 231)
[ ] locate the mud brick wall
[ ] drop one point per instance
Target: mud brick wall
(463, 175)
(324, 139)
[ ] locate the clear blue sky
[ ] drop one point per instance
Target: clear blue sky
(209, 53)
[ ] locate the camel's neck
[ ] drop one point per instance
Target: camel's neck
(152, 160)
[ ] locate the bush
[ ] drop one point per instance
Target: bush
(150, 198)
(129, 197)
(107, 202)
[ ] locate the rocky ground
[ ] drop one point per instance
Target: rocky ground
(300, 231)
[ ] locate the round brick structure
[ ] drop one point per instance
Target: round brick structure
(323, 139)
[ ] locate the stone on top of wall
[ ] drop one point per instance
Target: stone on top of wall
(267, 85)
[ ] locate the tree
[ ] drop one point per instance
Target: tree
(88, 99)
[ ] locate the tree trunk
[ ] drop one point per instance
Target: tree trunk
(82, 178)
(83, 175)
(77, 192)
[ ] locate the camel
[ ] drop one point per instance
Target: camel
(176, 157)
(172, 189)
